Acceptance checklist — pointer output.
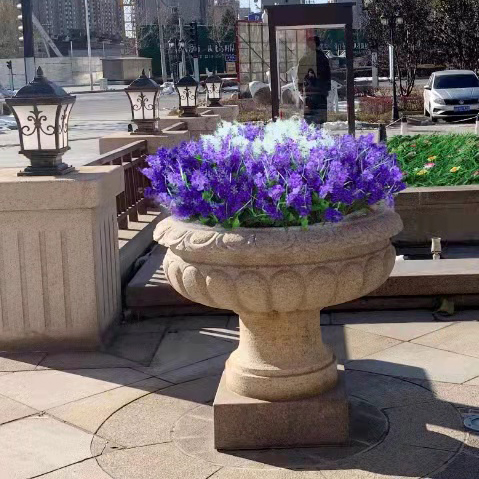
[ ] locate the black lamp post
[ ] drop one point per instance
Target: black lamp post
(42, 110)
(143, 95)
(213, 90)
(392, 21)
(173, 46)
(187, 89)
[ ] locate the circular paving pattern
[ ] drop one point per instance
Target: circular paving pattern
(398, 429)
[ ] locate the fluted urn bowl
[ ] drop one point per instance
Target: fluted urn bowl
(277, 280)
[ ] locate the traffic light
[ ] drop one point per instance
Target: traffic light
(20, 21)
(9, 64)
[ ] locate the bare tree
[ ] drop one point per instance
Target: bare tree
(221, 23)
(457, 34)
(412, 39)
(9, 43)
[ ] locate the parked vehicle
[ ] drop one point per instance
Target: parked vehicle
(451, 93)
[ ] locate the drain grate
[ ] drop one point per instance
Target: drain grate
(472, 422)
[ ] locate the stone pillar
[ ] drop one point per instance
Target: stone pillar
(59, 260)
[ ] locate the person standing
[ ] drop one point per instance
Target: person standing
(314, 76)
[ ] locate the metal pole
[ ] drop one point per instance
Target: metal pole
(87, 22)
(28, 43)
(197, 54)
(395, 112)
(71, 48)
(103, 45)
(164, 71)
(273, 71)
(350, 78)
(183, 56)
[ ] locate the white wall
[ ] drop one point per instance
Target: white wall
(64, 71)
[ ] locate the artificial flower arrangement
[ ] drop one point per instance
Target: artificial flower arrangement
(286, 173)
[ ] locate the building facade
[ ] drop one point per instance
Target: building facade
(66, 18)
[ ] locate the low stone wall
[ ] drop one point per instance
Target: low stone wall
(448, 212)
(65, 71)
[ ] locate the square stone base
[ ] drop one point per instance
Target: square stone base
(246, 423)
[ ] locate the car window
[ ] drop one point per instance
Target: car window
(429, 83)
(456, 81)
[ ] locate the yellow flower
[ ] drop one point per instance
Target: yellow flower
(454, 169)
(421, 172)
(432, 158)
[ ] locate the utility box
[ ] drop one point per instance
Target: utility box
(103, 84)
(124, 69)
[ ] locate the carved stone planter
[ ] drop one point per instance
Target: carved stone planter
(280, 387)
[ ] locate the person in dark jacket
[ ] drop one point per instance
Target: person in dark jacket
(314, 74)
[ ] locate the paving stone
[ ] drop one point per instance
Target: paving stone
(210, 367)
(153, 325)
(47, 389)
(150, 419)
(385, 391)
(473, 382)
(179, 349)
(88, 469)
(349, 344)
(402, 325)
(198, 322)
(464, 466)
(40, 444)
(11, 410)
(472, 443)
(84, 360)
(421, 362)
(139, 348)
(462, 395)
(19, 361)
(161, 461)
(230, 473)
(435, 425)
(101, 446)
(91, 412)
(459, 338)
(389, 461)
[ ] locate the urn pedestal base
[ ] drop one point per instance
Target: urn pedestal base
(246, 423)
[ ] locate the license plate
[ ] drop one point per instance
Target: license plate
(462, 108)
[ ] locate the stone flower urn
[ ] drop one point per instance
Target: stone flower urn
(280, 387)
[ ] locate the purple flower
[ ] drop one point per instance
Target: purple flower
(279, 179)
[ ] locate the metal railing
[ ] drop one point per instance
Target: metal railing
(131, 202)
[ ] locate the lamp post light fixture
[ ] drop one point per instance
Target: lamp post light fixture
(42, 110)
(143, 94)
(213, 90)
(187, 89)
(392, 21)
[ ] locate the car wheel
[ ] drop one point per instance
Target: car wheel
(433, 118)
(426, 113)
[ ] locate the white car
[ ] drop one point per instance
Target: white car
(451, 93)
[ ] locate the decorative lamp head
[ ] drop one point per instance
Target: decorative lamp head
(42, 111)
(143, 94)
(213, 90)
(187, 89)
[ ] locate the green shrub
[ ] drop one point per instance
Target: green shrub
(438, 160)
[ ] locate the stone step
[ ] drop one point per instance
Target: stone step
(412, 284)
(149, 294)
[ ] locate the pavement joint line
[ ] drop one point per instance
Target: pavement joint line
(43, 474)
(454, 323)
(102, 392)
(184, 367)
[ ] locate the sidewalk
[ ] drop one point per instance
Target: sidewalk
(143, 410)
